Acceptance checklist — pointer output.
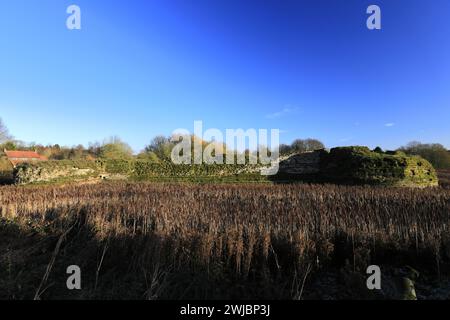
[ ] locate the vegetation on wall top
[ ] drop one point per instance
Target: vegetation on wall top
(361, 165)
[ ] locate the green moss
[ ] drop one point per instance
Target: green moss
(139, 170)
(362, 166)
(350, 165)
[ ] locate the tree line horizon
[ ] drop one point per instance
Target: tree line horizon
(160, 147)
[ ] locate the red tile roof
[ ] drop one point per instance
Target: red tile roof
(23, 154)
(17, 157)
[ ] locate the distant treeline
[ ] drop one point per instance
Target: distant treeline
(436, 153)
(158, 150)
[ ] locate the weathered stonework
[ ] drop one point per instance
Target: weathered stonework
(35, 173)
(303, 163)
(346, 165)
(358, 165)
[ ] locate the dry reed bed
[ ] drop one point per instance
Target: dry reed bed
(242, 223)
(444, 178)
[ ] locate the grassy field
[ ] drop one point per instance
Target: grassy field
(172, 241)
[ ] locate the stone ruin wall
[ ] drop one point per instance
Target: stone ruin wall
(304, 163)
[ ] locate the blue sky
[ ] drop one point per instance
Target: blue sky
(308, 67)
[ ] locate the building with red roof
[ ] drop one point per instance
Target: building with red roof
(17, 157)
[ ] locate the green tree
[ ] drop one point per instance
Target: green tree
(9, 145)
(116, 149)
(148, 156)
(378, 150)
(161, 147)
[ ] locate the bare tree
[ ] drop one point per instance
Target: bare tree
(436, 153)
(4, 134)
(314, 144)
(301, 145)
(285, 149)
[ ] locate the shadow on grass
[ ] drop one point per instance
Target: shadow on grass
(147, 266)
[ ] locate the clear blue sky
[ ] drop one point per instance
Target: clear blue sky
(310, 68)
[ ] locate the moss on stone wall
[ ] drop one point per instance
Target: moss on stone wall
(49, 171)
(351, 165)
(135, 170)
(362, 166)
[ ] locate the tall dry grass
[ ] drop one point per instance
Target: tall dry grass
(224, 241)
(444, 178)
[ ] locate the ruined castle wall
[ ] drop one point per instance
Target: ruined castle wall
(304, 163)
